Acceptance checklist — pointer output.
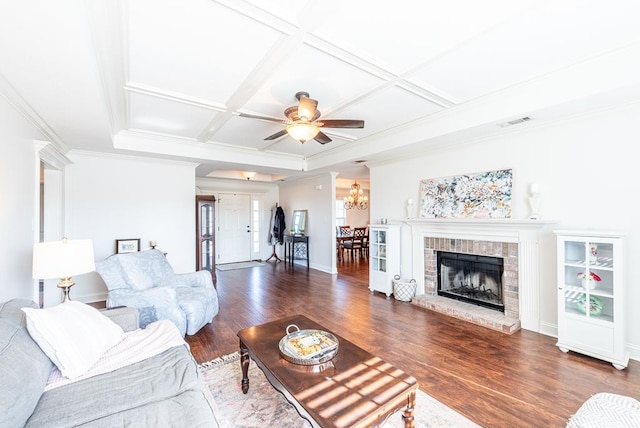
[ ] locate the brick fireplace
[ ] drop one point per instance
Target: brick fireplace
(507, 321)
(515, 241)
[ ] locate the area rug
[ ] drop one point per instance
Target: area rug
(240, 265)
(263, 406)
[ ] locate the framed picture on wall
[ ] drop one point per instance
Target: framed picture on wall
(127, 245)
(478, 195)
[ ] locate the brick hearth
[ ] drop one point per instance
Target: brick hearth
(472, 313)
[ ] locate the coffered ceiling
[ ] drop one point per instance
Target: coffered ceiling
(170, 78)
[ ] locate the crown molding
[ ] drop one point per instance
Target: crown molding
(8, 92)
(50, 154)
(158, 144)
(121, 156)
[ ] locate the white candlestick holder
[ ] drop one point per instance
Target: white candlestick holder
(534, 203)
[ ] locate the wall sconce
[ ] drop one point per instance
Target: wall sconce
(248, 174)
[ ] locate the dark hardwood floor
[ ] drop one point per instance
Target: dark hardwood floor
(494, 379)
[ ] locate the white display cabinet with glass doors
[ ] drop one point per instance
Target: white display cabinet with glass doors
(591, 317)
(384, 257)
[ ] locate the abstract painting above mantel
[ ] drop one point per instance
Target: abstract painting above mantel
(479, 195)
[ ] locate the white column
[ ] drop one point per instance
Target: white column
(529, 285)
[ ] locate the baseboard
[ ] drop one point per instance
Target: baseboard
(548, 329)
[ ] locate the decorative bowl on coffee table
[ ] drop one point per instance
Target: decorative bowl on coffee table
(320, 346)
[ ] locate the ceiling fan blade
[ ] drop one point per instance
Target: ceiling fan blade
(322, 138)
(255, 116)
(276, 135)
(307, 108)
(342, 123)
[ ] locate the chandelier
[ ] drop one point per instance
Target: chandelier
(356, 198)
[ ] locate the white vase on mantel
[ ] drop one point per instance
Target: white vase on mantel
(409, 209)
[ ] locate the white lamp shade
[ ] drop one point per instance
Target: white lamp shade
(62, 259)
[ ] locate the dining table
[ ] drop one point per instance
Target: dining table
(342, 239)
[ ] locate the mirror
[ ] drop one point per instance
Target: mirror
(299, 222)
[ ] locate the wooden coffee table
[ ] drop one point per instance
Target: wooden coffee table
(354, 389)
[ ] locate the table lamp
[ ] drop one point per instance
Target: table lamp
(63, 259)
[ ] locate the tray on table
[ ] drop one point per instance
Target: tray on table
(308, 347)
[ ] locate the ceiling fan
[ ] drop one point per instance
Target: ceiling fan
(303, 122)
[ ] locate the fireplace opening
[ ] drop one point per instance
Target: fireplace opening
(471, 278)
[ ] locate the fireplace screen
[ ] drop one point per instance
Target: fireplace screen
(471, 278)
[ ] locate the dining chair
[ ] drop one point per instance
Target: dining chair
(357, 243)
(365, 243)
(342, 235)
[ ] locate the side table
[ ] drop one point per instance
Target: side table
(296, 248)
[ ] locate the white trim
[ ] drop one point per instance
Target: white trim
(50, 154)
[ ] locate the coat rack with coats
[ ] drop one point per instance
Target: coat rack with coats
(277, 229)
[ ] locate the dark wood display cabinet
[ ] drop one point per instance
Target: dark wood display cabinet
(205, 234)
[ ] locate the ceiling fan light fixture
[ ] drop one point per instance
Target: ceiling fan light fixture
(304, 115)
(302, 131)
(306, 107)
(304, 123)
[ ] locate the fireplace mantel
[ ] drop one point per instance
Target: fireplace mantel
(524, 232)
(485, 229)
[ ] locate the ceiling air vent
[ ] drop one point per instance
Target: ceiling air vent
(515, 121)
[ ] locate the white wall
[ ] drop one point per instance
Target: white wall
(586, 172)
(121, 197)
(18, 186)
(317, 196)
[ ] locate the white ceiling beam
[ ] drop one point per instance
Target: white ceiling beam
(191, 149)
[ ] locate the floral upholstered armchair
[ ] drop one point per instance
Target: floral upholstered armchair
(146, 281)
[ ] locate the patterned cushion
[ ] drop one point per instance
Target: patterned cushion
(607, 410)
(147, 315)
(137, 275)
(200, 305)
(111, 273)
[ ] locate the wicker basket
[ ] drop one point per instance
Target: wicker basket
(404, 289)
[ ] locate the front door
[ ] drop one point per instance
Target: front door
(233, 238)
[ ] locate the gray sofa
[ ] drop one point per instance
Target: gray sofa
(162, 391)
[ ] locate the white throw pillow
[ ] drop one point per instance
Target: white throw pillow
(73, 335)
